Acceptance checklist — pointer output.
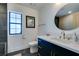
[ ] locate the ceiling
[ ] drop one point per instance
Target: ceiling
(36, 6)
(73, 7)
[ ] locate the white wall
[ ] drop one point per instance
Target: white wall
(47, 15)
(18, 42)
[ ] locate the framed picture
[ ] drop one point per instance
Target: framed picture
(30, 22)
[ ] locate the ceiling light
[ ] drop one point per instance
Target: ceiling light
(69, 12)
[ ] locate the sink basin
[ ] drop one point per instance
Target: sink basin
(64, 40)
(67, 41)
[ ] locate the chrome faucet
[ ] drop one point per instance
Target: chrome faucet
(76, 39)
(63, 34)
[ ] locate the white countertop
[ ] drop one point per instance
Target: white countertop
(68, 44)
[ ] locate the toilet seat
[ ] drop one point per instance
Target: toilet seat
(33, 43)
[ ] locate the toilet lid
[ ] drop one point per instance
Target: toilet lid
(33, 43)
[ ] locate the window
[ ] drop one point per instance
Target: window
(15, 23)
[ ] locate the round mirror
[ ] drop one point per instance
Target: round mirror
(67, 18)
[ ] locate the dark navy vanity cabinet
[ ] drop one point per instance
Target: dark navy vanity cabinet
(45, 48)
(49, 49)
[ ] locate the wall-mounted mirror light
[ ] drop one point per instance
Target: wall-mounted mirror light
(67, 18)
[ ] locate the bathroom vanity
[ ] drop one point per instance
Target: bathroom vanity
(51, 46)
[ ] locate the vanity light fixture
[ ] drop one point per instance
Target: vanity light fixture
(69, 12)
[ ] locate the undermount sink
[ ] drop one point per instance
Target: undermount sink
(62, 40)
(66, 40)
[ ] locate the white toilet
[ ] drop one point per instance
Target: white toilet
(33, 46)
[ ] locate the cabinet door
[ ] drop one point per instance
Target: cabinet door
(44, 47)
(43, 51)
(59, 51)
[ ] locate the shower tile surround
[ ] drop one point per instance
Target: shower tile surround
(3, 28)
